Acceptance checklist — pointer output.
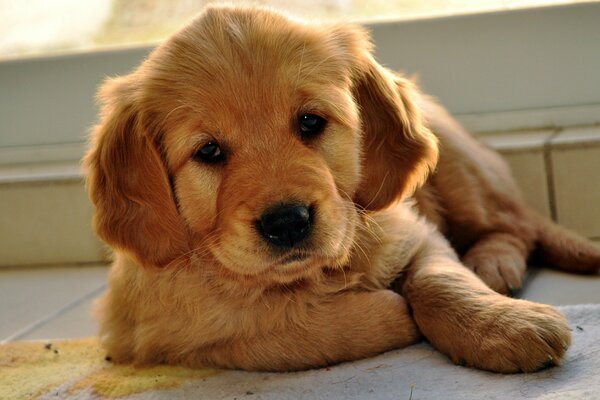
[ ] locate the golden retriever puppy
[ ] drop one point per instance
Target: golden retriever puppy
(254, 177)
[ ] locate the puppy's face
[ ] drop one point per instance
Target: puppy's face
(262, 142)
(255, 128)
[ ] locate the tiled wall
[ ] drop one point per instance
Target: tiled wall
(45, 214)
(575, 159)
(46, 219)
(558, 172)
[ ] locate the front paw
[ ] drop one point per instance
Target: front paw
(515, 336)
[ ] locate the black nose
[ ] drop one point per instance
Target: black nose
(286, 225)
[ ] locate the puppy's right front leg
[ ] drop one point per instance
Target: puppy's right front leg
(348, 326)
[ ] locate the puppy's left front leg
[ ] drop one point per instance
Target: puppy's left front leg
(344, 327)
(476, 326)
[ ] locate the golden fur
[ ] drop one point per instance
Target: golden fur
(194, 284)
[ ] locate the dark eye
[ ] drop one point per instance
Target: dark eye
(311, 125)
(210, 153)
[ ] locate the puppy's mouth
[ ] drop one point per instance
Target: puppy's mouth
(295, 260)
(292, 258)
(304, 261)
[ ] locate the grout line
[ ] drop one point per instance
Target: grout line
(30, 328)
(547, 148)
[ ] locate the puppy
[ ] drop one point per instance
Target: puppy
(254, 177)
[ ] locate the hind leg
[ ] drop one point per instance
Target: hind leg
(484, 215)
(500, 260)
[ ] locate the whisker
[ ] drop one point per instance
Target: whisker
(194, 251)
(378, 190)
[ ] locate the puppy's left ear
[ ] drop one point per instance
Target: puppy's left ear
(399, 150)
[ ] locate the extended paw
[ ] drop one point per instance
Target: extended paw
(517, 336)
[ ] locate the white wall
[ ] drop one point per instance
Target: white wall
(496, 71)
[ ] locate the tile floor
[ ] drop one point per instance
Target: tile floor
(55, 302)
(49, 303)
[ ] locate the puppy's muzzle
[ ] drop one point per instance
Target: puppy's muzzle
(286, 225)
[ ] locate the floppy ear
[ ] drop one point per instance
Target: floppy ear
(399, 151)
(129, 185)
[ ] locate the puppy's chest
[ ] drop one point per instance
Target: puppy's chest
(283, 307)
(387, 245)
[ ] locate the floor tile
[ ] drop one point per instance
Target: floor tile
(561, 288)
(76, 322)
(65, 297)
(28, 296)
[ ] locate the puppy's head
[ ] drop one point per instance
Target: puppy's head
(254, 141)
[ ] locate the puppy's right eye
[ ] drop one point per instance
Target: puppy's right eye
(210, 153)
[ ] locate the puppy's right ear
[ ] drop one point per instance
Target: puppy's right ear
(128, 182)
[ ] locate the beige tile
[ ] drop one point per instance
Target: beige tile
(576, 173)
(47, 222)
(28, 296)
(524, 153)
(560, 288)
(529, 170)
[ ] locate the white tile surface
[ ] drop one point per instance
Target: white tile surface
(74, 323)
(560, 288)
(576, 137)
(518, 141)
(28, 296)
(43, 172)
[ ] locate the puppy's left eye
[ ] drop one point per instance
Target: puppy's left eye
(210, 153)
(311, 125)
